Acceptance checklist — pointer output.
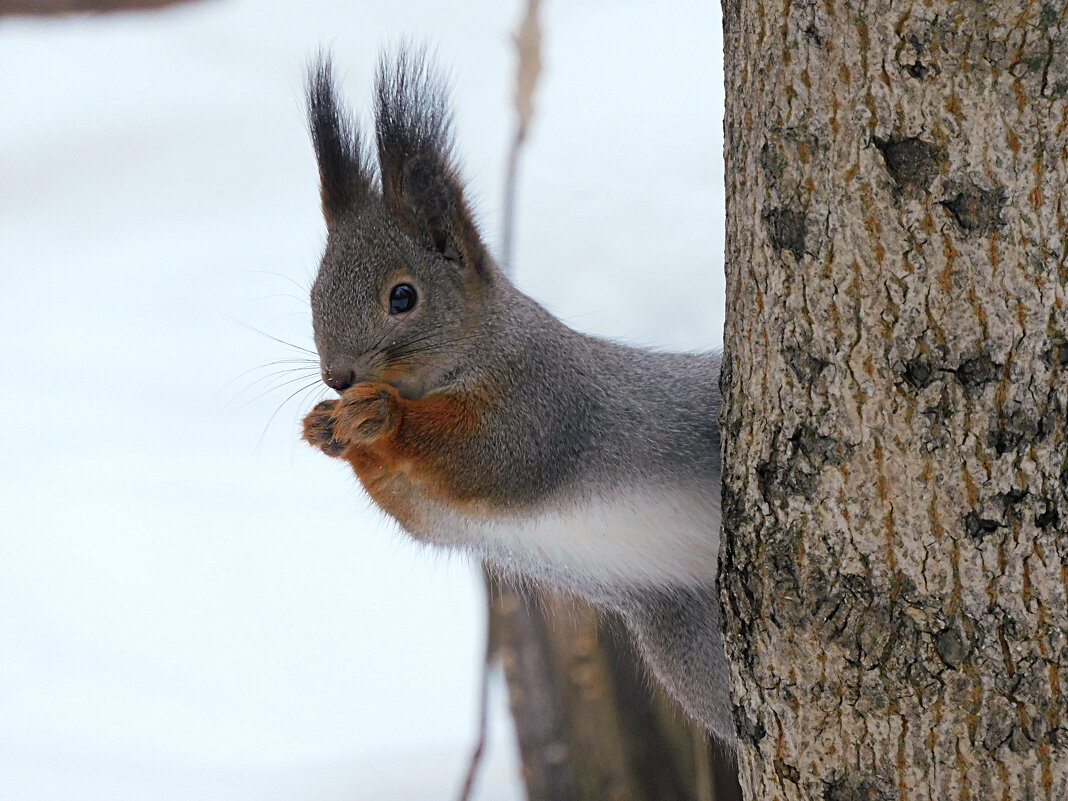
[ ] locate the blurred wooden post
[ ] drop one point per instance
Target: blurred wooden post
(587, 723)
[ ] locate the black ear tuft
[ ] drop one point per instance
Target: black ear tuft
(412, 115)
(344, 173)
(420, 183)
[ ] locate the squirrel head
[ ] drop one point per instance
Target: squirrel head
(405, 277)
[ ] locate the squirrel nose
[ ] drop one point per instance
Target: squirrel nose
(339, 379)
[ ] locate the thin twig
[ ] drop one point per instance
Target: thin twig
(489, 658)
(528, 47)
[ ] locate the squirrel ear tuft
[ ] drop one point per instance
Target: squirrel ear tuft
(420, 183)
(345, 176)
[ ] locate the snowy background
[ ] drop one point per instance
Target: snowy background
(194, 604)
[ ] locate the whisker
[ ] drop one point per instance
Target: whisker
(298, 298)
(293, 281)
(276, 386)
(274, 375)
(447, 341)
(310, 363)
(423, 338)
(409, 349)
(391, 323)
(316, 395)
(290, 397)
(404, 362)
(274, 338)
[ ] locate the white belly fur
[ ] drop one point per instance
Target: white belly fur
(636, 538)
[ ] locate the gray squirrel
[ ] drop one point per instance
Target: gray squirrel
(479, 421)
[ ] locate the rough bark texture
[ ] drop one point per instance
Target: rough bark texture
(896, 488)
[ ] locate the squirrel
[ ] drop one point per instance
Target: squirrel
(479, 421)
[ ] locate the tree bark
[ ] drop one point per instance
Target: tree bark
(896, 487)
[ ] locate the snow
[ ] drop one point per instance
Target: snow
(193, 604)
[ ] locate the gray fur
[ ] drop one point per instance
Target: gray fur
(576, 420)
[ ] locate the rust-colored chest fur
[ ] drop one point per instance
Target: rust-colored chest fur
(405, 452)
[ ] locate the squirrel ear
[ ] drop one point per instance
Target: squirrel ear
(420, 185)
(345, 177)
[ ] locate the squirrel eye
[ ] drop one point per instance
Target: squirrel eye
(402, 299)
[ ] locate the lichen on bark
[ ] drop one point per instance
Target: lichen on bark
(895, 535)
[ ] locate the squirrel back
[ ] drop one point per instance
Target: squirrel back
(478, 420)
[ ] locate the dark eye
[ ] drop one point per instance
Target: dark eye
(402, 299)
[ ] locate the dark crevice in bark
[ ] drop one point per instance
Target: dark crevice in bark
(973, 373)
(917, 70)
(860, 786)
(976, 210)
(911, 161)
(919, 373)
(786, 230)
(977, 527)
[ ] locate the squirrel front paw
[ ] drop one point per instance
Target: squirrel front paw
(319, 428)
(365, 412)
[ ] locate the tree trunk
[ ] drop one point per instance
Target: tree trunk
(896, 382)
